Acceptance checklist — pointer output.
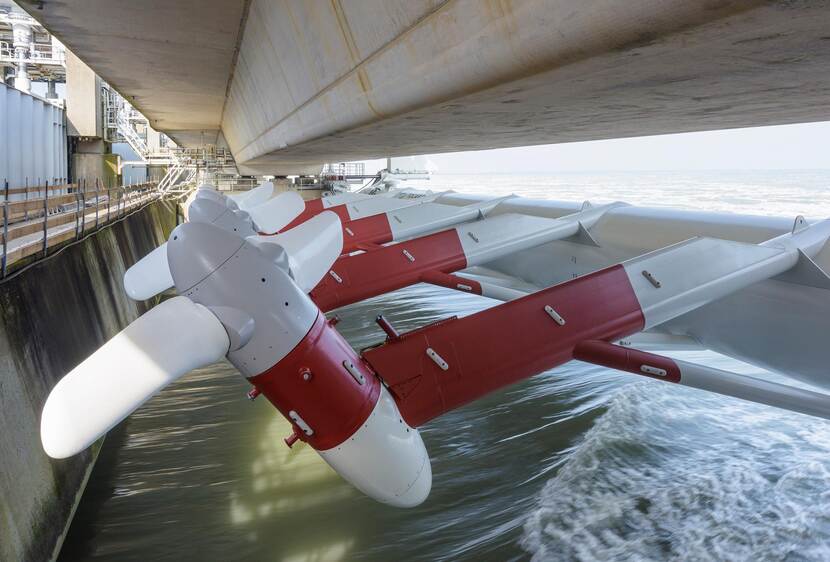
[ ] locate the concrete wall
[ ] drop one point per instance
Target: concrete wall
(51, 317)
(91, 161)
(32, 139)
(83, 94)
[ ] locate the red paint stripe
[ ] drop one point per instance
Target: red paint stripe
(314, 207)
(386, 269)
(331, 401)
(504, 344)
(366, 231)
(626, 359)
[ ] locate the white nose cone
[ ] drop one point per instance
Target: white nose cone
(385, 459)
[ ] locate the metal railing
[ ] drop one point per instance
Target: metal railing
(40, 54)
(230, 182)
(342, 171)
(60, 213)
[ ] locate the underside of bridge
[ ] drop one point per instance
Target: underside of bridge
(288, 85)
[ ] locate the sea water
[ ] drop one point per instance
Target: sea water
(577, 463)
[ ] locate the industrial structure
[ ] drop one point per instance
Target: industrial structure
(288, 86)
(113, 111)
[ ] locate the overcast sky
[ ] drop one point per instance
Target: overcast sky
(802, 146)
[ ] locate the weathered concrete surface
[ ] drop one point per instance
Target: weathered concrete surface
(347, 79)
(84, 112)
(51, 317)
(171, 60)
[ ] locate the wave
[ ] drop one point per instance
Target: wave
(674, 473)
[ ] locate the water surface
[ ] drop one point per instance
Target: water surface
(578, 463)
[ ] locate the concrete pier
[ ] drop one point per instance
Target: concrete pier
(52, 316)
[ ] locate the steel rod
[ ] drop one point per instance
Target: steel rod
(46, 219)
(5, 230)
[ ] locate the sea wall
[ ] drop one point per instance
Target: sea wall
(52, 315)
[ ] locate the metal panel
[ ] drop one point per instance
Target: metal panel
(32, 140)
(25, 139)
(13, 114)
(4, 125)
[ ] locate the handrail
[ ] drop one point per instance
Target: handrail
(64, 217)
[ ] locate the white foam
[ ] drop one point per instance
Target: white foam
(673, 473)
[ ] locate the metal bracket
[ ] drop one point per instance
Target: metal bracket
(335, 276)
(651, 279)
(799, 224)
(555, 315)
(649, 370)
(432, 354)
(582, 236)
(354, 372)
(295, 417)
(409, 256)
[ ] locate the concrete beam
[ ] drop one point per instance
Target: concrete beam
(317, 81)
(171, 60)
(370, 78)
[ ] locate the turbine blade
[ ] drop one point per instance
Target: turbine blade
(167, 342)
(273, 215)
(149, 276)
(257, 196)
(312, 247)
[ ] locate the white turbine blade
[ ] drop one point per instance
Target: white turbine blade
(312, 248)
(273, 215)
(257, 196)
(167, 342)
(149, 276)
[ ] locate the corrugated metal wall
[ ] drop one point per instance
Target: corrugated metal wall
(32, 140)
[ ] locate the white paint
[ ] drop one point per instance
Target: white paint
(429, 217)
(754, 389)
(374, 205)
(167, 342)
(149, 276)
(697, 272)
(257, 196)
(340, 198)
(275, 214)
(504, 234)
(312, 248)
(385, 459)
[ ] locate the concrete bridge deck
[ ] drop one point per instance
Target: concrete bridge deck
(288, 85)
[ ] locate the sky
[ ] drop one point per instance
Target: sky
(783, 147)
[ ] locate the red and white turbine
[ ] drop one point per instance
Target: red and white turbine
(257, 301)
(243, 301)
